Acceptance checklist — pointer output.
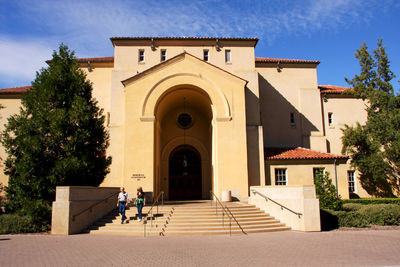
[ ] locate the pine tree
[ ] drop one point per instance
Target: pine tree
(58, 138)
(375, 146)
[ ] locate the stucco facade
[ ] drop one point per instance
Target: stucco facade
(190, 115)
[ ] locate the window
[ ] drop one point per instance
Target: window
(292, 119)
(205, 55)
(185, 121)
(163, 54)
(350, 178)
(330, 118)
(141, 55)
(227, 56)
(280, 177)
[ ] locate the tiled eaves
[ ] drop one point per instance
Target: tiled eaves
(284, 60)
(92, 60)
(192, 38)
(333, 89)
(15, 90)
(96, 59)
(299, 153)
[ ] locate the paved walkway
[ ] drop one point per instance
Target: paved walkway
(290, 248)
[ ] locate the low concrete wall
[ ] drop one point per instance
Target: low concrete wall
(70, 213)
(301, 199)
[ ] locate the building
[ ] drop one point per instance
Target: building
(187, 115)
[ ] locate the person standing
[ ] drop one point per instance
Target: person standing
(122, 203)
(140, 202)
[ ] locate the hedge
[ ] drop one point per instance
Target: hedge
(16, 224)
(367, 201)
(360, 215)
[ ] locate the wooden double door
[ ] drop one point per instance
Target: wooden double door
(185, 174)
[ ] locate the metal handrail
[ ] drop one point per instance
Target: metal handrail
(225, 210)
(282, 206)
(93, 205)
(156, 201)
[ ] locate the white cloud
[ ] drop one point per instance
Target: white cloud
(82, 22)
(86, 26)
(21, 59)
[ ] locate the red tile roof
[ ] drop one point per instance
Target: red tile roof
(333, 89)
(92, 60)
(298, 153)
(96, 59)
(284, 60)
(15, 90)
(252, 39)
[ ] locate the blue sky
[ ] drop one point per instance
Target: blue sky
(326, 30)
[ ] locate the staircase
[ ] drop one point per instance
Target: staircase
(191, 218)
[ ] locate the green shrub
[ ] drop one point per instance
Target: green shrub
(351, 206)
(366, 201)
(359, 215)
(16, 224)
(326, 192)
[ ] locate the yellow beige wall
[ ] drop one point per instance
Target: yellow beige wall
(353, 112)
(11, 106)
(100, 76)
(293, 89)
(300, 172)
(142, 98)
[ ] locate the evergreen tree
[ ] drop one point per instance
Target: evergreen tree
(375, 146)
(58, 138)
(326, 191)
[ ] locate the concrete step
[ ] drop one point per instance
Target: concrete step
(224, 232)
(123, 232)
(205, 223)
(211, 217)
(197, 218)
(180, 232)
(193, 219)
(174, 227)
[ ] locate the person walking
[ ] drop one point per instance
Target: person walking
(122, 203)
(140, 202)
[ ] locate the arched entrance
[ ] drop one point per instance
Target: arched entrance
(183, 144)
(185, 173)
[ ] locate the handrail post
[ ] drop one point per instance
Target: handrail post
(216, 208)
(162, 198)
(223, 216)
(144, 228)
(230, 226)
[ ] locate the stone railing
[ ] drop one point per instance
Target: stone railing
(77, 207)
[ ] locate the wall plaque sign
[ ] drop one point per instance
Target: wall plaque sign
(138, 176)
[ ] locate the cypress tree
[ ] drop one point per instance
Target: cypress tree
(58, 138)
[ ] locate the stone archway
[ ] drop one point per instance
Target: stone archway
(196, 134)
(153, 101)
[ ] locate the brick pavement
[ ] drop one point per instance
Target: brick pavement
(290, 248)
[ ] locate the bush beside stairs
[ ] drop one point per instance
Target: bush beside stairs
(189, 218)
